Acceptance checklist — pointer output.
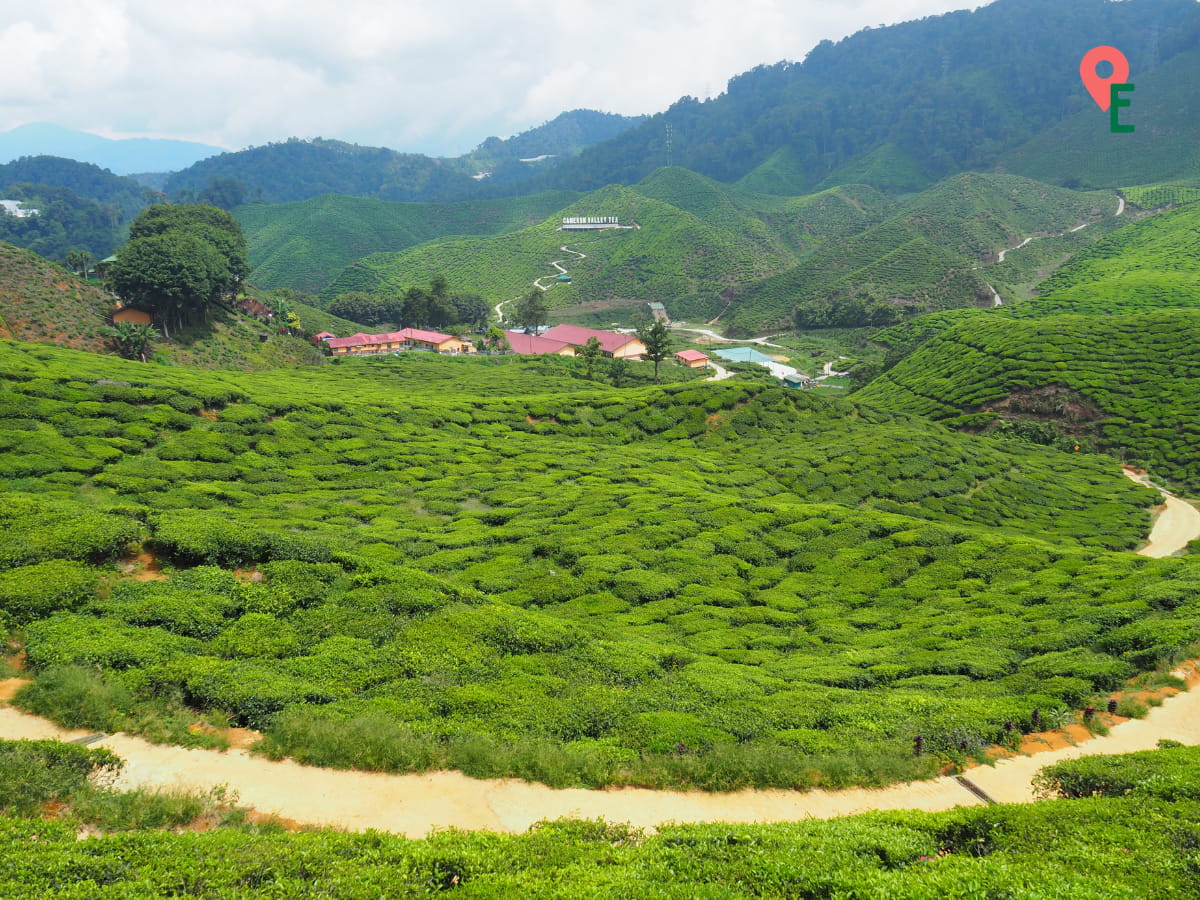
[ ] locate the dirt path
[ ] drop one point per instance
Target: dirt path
(537, 282)
(720, 373)
(1003, 253)
(713, 336)
(414, 805)
(1175, 526)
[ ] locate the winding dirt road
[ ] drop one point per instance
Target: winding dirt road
(537, 282)
(413, 805)
(1175, 526)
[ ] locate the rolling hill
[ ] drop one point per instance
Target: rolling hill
(975, 86)
(304, 245)
(295, 169)
(1149, 264)
(80, 206)
(1120, 384)
(42, 303)
(1080, 151)
(694, 236)
(127, 156)
(927, 255)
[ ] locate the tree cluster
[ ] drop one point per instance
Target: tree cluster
(180, 261)
(417, 307)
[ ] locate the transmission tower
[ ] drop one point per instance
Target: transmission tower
(670, 136)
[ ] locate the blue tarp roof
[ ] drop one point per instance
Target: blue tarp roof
(744, 354)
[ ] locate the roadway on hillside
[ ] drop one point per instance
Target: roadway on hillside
(996, 299)
(713, 336)
(414, 805)
(1175, 526)
(537, 282)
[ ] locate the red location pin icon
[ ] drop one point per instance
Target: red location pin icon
(1099, 87)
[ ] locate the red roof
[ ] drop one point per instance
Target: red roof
(692, 355)
(355, 340)
(390, 337)
(321, 335)
(577, 336)
(530, 344)
(425, 337)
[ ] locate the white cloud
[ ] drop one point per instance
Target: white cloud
(434, 77)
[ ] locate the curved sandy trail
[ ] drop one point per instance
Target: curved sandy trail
(499, 308)
(1177, 525)
(537, 282)
(1004, 253)
(413, 805)
(720, 373)
(712, 335)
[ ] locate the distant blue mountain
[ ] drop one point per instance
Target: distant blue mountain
(122, 157)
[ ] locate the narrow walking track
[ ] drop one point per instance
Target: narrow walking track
(1177, 525)
(537, 282)
(413, 805)
(712, 335)
(1000, 257)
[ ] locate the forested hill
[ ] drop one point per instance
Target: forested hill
(295, 170)
(80, 206)
(936, 96)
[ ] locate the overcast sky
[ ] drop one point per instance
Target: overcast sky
(435, 77)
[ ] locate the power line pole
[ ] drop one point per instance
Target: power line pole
(670, 135)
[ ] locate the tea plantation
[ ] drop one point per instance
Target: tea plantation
(1123, 384)
(1135, 838)
(501, 566)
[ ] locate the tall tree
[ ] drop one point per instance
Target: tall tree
(416, 308)
(657, 340)
(175, 276)
(530, 311)
(78, 262)
(592, 353)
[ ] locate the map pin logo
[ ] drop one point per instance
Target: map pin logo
(1099, 87)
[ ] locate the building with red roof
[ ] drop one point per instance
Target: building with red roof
(406, 339)
(693, 359)
(615, 344)
(533, 345)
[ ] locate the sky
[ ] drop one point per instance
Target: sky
(429, 77)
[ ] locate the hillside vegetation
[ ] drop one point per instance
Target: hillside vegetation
(1141, 843)
(80, 206)
(697, 238)
(976, 84)
(1150, 264)
(42, 302)
(304, 245)
(500, 566)
(927, 255)
(1121, 384)
(1081, 151)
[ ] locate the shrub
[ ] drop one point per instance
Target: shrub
(76, 697)
(34, 592)
(206, 538)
